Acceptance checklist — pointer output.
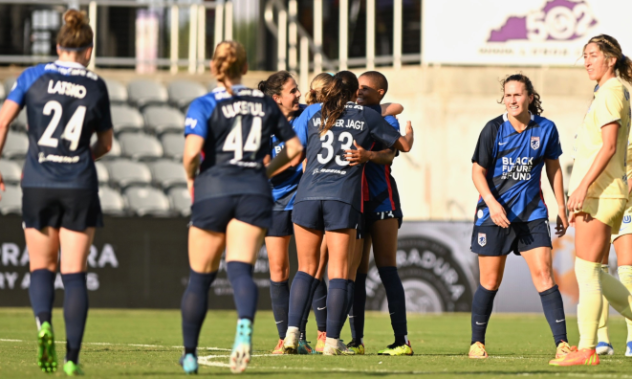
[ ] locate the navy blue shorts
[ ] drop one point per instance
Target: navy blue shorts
(215, 213)
(371, 217)
(520, 236)
(73, 209)
(281, 224)
(325, 215)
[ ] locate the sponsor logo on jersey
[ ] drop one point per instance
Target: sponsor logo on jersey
(57, 158)
(627, 219)
(517, 168)
(61, 87)
(328, 171)
(190, 122)
(535, 143)
(480, 213)
(482, 239)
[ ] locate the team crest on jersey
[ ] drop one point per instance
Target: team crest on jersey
(482, 239)
(535, 143)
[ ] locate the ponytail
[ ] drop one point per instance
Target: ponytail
(274, 84)
(228, 62)
(336, 94)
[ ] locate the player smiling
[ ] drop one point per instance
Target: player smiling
(511, 215)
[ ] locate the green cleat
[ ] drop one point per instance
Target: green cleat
(46, 355)
(240, 357)
(395, 350)
(304, 348)
(72, 369)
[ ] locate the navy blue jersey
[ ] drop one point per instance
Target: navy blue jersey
(237, 131)
(514, 163)
(379, 188)
(328, 175)
(65, 104)
(284, 184)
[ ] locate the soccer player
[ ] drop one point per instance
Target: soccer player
(232, 127)
(511, 215)
(284, 91)
(328, 202)
(383, 217)
(599, 191)
(60, 205)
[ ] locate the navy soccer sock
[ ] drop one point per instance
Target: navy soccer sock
(336, 306)
(42, 294)
(193, 307)
(299, 296)
(75, 312)
(482, 305)
(396, 298)
(349, 301)
(319, 305)
(245, 292)
(280, 298)
(554, 313)
(305, 317)
(356, 316)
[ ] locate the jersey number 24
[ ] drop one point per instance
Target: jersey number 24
(72, 131)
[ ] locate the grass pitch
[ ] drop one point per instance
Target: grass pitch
(146, 344)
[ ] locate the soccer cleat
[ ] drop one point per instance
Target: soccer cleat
(320, 342)
(290, 343)
(189, 363)
(304, 348)
(46, 355)
(628, 349)
(563, 349)
(339, 349)
(279, 348)
(477, 351)
(394, 350)
(72, 369)
(240, 357)
(356, 346)
(604, 348)
(583, 357)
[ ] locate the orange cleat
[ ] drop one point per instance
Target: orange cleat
(279, 348)
(583, 357)
(320, 342)
(477, 351)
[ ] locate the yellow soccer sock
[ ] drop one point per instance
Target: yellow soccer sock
(625, 275)
(590, 301)
(616, 293)
(602, 332)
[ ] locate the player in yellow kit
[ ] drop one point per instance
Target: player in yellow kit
(599, 191)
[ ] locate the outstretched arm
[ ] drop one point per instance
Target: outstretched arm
(405, 143)
(391, 109)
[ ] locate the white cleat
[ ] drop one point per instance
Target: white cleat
(628, 349)
(290, 343)
(239, 358)
(337, 348)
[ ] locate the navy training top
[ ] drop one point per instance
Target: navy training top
(65, 104)
(514, 163)
(237, 130)
(285, 184)
(380, 192)
(328, 175)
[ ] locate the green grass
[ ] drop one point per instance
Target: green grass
(144, 344)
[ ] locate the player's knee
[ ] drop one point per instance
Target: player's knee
(492, 283)
(279, 272)
(543, 279)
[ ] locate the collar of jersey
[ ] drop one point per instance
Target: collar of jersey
(236, 87)
(506, 116)
(69, 64)
(597, 87)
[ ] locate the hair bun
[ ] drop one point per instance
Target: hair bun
(75, 19)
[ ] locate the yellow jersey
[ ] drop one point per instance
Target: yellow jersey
(611, 103)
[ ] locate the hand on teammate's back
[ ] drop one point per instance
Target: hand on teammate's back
(358, 156)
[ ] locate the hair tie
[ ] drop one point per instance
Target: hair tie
(622, 56)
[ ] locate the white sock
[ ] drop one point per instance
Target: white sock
(333, 342)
